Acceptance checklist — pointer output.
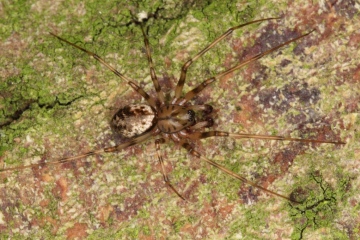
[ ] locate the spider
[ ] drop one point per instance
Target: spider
(176, 119)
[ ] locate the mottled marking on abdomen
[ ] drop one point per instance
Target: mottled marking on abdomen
(133, 120)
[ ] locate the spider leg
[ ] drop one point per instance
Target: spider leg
(191, 151)
(281, 138)
(161, 160)
(201, 135)
(129, 81)
(116, 148)
(157, 86)
(202, 124)
(201, 107)
(186, 65)
(191, 94)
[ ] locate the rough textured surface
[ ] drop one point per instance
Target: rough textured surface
(57, 102)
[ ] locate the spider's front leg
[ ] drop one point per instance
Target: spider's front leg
(181, 82)
(128, 80)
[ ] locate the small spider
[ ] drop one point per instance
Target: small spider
(176, 120)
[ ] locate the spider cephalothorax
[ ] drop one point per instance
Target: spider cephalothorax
(176, 119)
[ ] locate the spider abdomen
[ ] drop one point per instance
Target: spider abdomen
(174, 118)
(133, 120)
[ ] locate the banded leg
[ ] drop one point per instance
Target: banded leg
(191, 151)
(208, 122)
(205, 108)
(157, 86)
(161, 160)
(129, 81)
(191, 94)
(186, 65)
(201, 135)
(116, 148)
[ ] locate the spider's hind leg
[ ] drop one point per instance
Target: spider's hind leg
(117, 148)
(161, 160)
(200, 135)
(195, 153)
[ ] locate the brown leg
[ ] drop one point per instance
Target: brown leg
(203, 107)
(159, 92)
(117, 148)
(201, 135)
(161, 160)
(191, 150)
(129, 81)
(207, 123)
(191, 94)
(186, 65)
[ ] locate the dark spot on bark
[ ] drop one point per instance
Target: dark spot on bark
(285, 62)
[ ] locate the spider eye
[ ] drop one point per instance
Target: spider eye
(208, 109)
(191, 115)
